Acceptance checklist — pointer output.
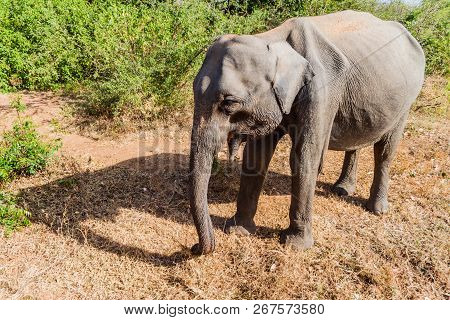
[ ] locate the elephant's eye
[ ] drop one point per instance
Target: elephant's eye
(229, 101)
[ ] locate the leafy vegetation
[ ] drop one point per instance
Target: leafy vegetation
(138, 57)
(12, 217)
(22, 151)
(429, 23)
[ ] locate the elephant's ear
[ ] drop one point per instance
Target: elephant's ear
(292, 72)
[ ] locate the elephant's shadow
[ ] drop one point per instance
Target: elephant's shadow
(155, 184)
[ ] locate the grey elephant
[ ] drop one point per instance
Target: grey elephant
(341, 81)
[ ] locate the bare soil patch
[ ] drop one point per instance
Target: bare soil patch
(111, 221)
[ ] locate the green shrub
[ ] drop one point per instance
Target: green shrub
(144, 55)
(138, 57)
(429, 24)
(12, 217)
(38, 42)
(22, 151)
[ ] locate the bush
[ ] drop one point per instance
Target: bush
(12, 217)
(429, 23)
(22, 151)
(146, 54)
(129, 58)
(38, 42)
(138, 57)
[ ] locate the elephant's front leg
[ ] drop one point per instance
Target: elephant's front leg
(304, 161)
(257, 155)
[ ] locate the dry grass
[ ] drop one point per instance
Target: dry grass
(104, 231)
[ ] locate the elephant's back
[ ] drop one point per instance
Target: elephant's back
(344, 23)
(361, 34)
(383, 78)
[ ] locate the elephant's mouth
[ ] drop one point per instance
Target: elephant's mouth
(253, 126)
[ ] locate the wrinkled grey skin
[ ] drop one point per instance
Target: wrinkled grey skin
(341, 81)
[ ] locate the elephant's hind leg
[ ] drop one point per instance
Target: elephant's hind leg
(257, 155)
(384, 151)
(346, 184)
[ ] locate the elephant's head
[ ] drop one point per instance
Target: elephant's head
(245, 85)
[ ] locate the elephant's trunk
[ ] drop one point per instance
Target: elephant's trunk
(206, 139)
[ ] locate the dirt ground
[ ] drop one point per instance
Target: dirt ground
(111, 221)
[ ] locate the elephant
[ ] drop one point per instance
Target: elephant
(341, 81)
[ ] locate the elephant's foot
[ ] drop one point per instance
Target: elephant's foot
(297, 239)
(378, 205)
(237, 226)
(343, 188)
(197, 249)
